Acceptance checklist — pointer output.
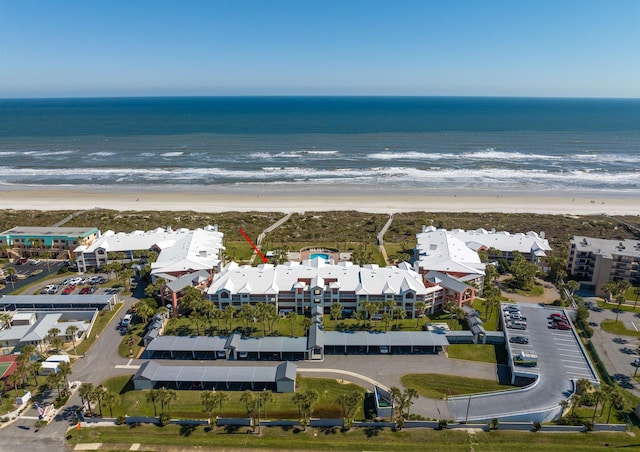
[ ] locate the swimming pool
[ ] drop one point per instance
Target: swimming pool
(325, 256)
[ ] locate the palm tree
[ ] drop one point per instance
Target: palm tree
(34, 370)
(409, 395)
(110, 399)
(620, 299)
(55, 379)
(53, 333)
(71, 332)
(336, 311)
(607, 390)
(399, 313)
(564, 403)
(246, 314)
(5, 319)
(85, 391)
(208, 400)
(306, 324)
(617, 401)
(97, 395)
(229, 314)
(298, 400)
(636, 292)
(221, 398)
(10, 272)
(291, 317)
(387, 318)
(598, 395)
(13, 380)
(169, 396)
(153, 396)
(265, 398)
(64, 369)
(250, 400)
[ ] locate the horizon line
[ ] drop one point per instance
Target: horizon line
(408, 96)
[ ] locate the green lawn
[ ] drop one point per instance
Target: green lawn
(188, 404)
(626, 307)
(120, 438)
(610, 326)
(473, 352)
(438, 386)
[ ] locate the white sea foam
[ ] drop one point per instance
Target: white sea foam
(172, 154)
(412, 155)
(47, 153)
(102, 154)
(260, 155)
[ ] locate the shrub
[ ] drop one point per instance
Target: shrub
(442, 424)
(121, 420)
(537, 426)
(164, 419)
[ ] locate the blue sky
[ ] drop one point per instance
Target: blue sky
(58, 48)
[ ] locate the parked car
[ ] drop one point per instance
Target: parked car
(54, 289)
(517, 316)
(22, 261)
(384, 350)
(87, 290)
(243, 355)
(519, 339)
(67, 290)
(34, 261)
(560, 326)
(517, 324)
(46, 289)
(555, 316)
(126, 320)
(512, 307)
(376, 317)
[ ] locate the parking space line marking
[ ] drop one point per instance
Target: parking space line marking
(576, 367)
(634, 326)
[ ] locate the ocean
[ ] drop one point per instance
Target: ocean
(429, 143)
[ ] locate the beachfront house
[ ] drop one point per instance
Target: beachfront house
(595, 261)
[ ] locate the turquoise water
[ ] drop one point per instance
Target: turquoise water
(414, 142)
(325, 256)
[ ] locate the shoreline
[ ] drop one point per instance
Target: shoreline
(261, 198)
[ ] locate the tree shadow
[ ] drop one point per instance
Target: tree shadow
(187, 429)
(371, 432)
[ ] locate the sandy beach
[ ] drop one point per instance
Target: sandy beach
(311, 198)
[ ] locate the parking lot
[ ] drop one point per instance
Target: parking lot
(559, 352)
(560, 361)
(28, 272)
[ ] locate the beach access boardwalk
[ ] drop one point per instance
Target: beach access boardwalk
(380, 239)
(264, 233)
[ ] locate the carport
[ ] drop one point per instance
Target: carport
(183, 347)
(57, 302)
(267, 348)
(278, 378)
(395, 342)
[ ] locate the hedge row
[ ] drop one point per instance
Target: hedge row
(599, 364)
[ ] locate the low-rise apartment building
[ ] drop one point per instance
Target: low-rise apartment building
(26, 241)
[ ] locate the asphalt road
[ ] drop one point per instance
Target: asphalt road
(27, 270)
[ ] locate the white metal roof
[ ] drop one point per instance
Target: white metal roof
(267, 278)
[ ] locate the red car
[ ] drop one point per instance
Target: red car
(561, 326)
(21, 261)
(68, 290)
(558, 317)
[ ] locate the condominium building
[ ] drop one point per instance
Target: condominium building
(25, 241)
(595, 261)
(298, 286)
(181, 251)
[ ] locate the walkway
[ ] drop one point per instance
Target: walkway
(69, 218)
(264, 233)
(380, 239)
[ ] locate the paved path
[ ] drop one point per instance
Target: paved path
(549, 296)
(264, 233)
